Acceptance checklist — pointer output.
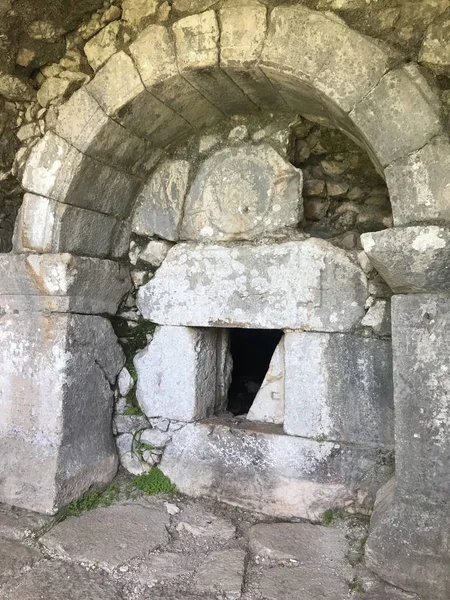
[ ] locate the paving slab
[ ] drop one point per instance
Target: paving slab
(14, 560)
(198, 522)
(60, 581)
(222, 573)
(287, 583)
(311, 545)
(386, 592)
(164, 567)
(18, 523)
(110, 536)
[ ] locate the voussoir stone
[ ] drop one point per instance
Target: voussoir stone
(59, 171)
(400, 115)
(110, 536)
(240, 193)
(411, 259)
(55, 580)
(419, 184)
(159, 207)
(45, 225)
(300, 285)
(321, 49)
(83, 124)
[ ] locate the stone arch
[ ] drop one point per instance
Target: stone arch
(82, 179)
(213, 64)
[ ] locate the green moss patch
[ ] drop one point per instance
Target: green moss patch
(154, 482)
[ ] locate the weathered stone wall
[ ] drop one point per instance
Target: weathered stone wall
(43, 61)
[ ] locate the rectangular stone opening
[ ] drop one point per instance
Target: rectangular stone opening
(252, 351)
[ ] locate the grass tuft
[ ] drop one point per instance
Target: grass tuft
(154, 482)
(92, 500)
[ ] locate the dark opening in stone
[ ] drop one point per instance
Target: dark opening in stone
(252, 351)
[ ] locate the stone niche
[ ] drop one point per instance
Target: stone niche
(319, 431)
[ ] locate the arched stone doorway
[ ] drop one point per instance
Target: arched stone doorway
(82, 181)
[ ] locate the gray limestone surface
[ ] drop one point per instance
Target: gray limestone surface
(306, 284)
(208, 551)
(109, 537)
(54, 580)
(284, 475)
(240, 193)
(55, 427)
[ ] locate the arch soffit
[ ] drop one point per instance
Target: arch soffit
(177, 80)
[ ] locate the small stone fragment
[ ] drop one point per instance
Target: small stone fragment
(13, 88)
(238, 134)
(154, 438)
(138, 12)
(53, 88)
(125, 382)
(155, 252)
(378, 317)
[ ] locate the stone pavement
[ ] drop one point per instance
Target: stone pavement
(175, 548)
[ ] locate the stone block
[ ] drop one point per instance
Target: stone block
(420, 339)
(408, 545)
(83, 124)
(284, 476)
(268, 405)
(243, 31)
(159, 207)
(322, 50)
(154, 55)
(118, 89)
(47, 226)
(400, 115)
(339, 387)
(56, 407)
(411, 259)
(197, 40)
(177, 374)
(408, 541)
(419, 184)
(154, 252)
(242, 193)
(61, 283)
(59, 171)
(306, 284)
